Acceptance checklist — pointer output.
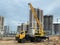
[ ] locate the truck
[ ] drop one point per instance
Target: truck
(39, 36)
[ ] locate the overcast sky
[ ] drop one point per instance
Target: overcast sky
(17, 11)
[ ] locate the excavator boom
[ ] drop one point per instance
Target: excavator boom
(23, 36)
(41, 31)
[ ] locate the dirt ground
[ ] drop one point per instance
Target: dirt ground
(12, 41)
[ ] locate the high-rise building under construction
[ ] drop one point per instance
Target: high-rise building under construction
(48, 24)
(18, 28)
(57, 28)
(6, 30)
(1, 25)
(33, 24)
(22, 27)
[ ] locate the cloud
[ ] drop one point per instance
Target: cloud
(53, 6)
(17, 11)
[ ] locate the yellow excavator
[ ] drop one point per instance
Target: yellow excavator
(39, 36)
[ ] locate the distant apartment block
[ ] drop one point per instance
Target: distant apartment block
(6, 30)
(57, 28)
(22, 27)
(18, 28)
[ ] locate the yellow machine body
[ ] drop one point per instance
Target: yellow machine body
(22, 35)
(40, 32)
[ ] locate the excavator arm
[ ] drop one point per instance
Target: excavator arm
(41, 31)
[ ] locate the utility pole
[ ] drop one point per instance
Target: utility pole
(58, 23)
(58, 20)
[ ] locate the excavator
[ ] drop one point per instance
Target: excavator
(39, 36)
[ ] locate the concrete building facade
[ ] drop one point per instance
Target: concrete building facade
(57, 28)
(23, 27)
(6, 30)
(18, 28)
(1, 25)
(48, 24)
(33, 24)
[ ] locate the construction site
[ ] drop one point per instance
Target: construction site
(39, 30)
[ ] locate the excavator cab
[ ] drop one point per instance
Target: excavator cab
(22, 34)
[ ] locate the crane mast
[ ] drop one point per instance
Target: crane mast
(41, 31)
